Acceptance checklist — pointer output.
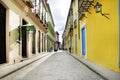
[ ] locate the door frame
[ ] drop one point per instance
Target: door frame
(7, 32)
(83, 25)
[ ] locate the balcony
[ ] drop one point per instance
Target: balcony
(26, 11)
(84, 6)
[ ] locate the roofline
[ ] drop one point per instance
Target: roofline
(50, 13)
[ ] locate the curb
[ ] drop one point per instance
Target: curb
(88, 66)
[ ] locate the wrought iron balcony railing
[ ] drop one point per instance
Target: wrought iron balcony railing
(84, 6)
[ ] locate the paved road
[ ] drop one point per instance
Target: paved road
(59, 66)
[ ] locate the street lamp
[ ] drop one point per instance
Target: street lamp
(98, 9)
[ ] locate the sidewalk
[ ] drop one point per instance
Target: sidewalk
(15, 67)
(104, 72)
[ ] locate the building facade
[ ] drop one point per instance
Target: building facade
(51, 32)
(23, 29)
(72, 29)
(63, 40)
(96, 35)
(56, 43)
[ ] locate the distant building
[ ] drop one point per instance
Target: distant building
(56, 44)
(60, 45)
(63, 40)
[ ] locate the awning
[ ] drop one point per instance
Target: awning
(29, 27)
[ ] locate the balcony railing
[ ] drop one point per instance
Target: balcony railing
(84, 6)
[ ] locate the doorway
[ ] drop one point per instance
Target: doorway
(33, 43)
(38, 41)
(83, 41)
(24, 37)
(24, 46)
(2, 34)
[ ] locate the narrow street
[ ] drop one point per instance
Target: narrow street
(60, 40)
(60, 66)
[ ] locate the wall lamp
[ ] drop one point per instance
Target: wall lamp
(98, 9)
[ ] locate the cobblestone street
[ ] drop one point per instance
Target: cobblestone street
(60, 66)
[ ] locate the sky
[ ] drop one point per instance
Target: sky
(59, 10)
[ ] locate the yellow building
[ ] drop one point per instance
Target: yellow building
(94, 32)
(99, 28)
(67, 34)
(72, 29)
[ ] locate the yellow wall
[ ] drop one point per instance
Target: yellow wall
(79, 43)
(68, 44)
(73, 43)
(67, 31)
(75, 29)
(102, 35)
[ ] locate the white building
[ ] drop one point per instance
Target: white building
(23, 29)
